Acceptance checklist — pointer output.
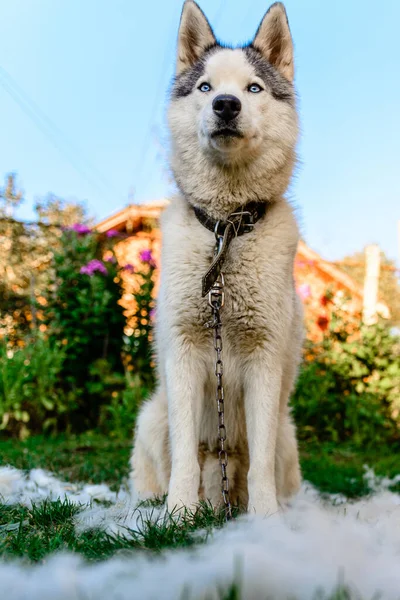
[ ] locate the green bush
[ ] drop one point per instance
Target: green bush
(118, 416)
(30, 397)
(83, 373)
(349, 386)
(83, 313)
(139, 344)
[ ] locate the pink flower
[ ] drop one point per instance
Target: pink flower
(128, 267)
(304, 291)
(111, 259)
(92, 267)
(152, 313)
(112, 233)
(80, 228)
(146, 256)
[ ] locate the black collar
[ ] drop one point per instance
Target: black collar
(240, 221)
(242, 218)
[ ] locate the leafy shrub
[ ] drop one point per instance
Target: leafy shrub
(83, 313)
(118, 416)
(29, 394)
(349, 385)
(32, 398)
(139, 346)
(74, 377)
(26, 252)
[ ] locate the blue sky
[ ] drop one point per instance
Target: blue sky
(97, 73)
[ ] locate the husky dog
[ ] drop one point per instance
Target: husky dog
(233, 125)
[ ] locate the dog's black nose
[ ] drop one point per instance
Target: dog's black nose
(226, 107)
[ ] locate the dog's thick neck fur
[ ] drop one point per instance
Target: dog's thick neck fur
(219, 188)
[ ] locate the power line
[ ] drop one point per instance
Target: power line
(28, 111)
(141, 167)
(53, 133)
(52, 127)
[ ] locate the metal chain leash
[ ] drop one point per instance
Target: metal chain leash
(216, 299)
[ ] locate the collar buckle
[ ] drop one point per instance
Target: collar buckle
(244, 223)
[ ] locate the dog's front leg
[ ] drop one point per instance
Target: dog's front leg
(262, 389)
(185, 396)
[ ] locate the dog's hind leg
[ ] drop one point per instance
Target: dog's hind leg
(150, 459)
(287, 469)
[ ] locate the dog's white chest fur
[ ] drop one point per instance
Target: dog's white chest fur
(259, 306)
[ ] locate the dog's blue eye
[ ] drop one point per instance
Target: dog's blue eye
(205, 87)
(254, 88)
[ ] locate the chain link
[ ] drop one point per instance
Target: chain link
(216, 301)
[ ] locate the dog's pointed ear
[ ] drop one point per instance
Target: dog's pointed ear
(274, 40)
(195, 36)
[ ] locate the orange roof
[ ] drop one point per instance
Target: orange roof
(333, 272)
(131, 213)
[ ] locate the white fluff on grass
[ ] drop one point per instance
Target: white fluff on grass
(314, 546)
(18, 487)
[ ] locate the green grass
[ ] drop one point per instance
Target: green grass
(96, 458)
(339, 469)
(48, 527)
(90, 457)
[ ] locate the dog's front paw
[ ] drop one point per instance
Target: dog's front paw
(183, 494)
(178, 502)
(263, 503)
